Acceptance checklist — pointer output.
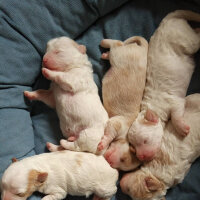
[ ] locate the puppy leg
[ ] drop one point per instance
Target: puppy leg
(52, 147)
(109, 135)
(87, 141)
(45, 96)
(116, 127)
(73, 146)
(66, 81)
(105, 56)
(108, 43)
(57, 77)
(178, 121)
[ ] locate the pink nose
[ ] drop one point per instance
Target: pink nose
(108, 159)
(147, 156)
(106, 156)
(6, 196)
(45, 60)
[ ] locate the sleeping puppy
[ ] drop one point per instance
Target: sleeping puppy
(57, 174)
(122, 89)
(74, 95)
(170, 67)
(172, 163)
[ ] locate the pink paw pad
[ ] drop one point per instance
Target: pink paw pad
(48, 145)
(184, 129)
(187, 130)
(100, 146)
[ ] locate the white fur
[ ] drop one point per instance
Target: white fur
(122, 91)
(170, 166)
(74, 173)
(169, 70)
(74, 94)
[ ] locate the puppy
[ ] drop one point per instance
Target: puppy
(74, 95)
(122, 89)
(170, 67)
(172, 163)
(57, 174)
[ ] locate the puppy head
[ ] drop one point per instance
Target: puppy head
(121, 156)
(61, 53)
(145, 135)
(142, 185)
(18, 183)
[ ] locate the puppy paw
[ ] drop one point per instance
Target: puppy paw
(30, 95)
(52, 147)
(105, 56)
(102, 145)
(66, 144)
(182, 128)
(48, 74)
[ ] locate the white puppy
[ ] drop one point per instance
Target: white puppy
(169, 70)
(74, 94)
(172, 163)
(57, 174)
(122, 89)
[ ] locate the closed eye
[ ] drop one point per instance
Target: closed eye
(21, 194)
(57, 52)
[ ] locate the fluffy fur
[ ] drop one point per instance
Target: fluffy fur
(169, 70)
(57, 174)
(122, 89)
(74, 94)
(173, 161)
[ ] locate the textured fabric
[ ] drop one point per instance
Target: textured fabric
(25, 28)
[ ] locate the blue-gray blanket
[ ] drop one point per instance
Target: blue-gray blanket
(25, 28)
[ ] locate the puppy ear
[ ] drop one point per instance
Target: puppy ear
(153, 184)
(14, 160)
(151, 116)
(82, 49)
(42, 176)
(37, 178)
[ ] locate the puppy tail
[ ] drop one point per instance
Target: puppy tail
(184, 14)
(140, 41)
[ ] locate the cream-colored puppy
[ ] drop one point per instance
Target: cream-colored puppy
(57, 174)
(172, 163)
(169, 70)
(122, 89)
(74, 94)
